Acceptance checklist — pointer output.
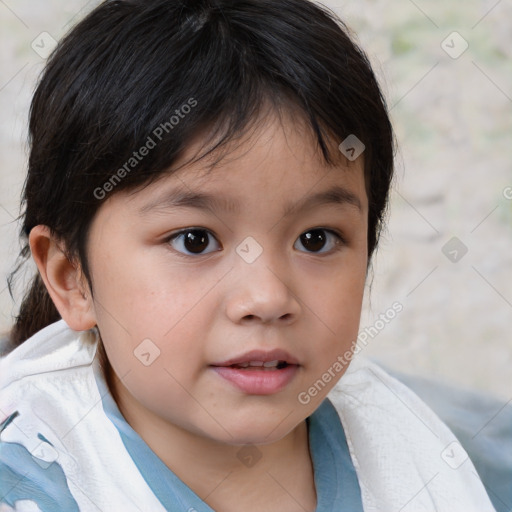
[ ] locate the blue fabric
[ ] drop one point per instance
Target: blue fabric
(24, 477)
(336, 481)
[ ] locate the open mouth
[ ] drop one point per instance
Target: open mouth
(260, 365)
(259, 372)
(256, 377)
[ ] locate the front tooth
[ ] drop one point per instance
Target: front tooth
(255, 363)
(270, 364)
(243, 365)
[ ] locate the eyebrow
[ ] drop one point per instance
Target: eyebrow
(182, 198)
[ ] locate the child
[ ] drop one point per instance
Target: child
(207, 182)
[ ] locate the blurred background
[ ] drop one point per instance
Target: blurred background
(446, 256)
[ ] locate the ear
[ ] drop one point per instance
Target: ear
(64, 280)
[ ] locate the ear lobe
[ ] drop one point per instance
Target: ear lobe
(63, 279)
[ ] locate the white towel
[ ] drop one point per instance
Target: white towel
(405, 457)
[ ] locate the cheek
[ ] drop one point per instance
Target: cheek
(335, 308)
(143, 294)
(345, 301)
(152, 307)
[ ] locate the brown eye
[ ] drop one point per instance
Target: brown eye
(315, 240)
(192, 241)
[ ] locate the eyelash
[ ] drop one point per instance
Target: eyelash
(339, 243)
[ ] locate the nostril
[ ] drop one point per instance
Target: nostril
(286, 316)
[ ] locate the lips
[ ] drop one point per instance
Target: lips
(259, 372)
(261, 358)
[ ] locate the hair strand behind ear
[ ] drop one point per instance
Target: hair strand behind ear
(37, 311)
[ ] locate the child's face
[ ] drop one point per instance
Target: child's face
(212, 297)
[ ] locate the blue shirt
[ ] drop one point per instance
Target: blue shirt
(336, 481)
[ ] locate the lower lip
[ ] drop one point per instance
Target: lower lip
(258, 382)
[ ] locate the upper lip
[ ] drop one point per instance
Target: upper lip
(260, 355)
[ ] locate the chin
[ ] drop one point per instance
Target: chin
(261, 433)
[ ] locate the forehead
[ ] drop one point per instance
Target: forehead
(278, 158)
(273, 169)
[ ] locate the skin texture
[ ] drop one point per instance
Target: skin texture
(198, 309)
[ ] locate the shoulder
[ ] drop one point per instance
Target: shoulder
(54, 348)
(46, 371)
(482, 424)
(32, 412)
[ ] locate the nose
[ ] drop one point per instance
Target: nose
(262, 292)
